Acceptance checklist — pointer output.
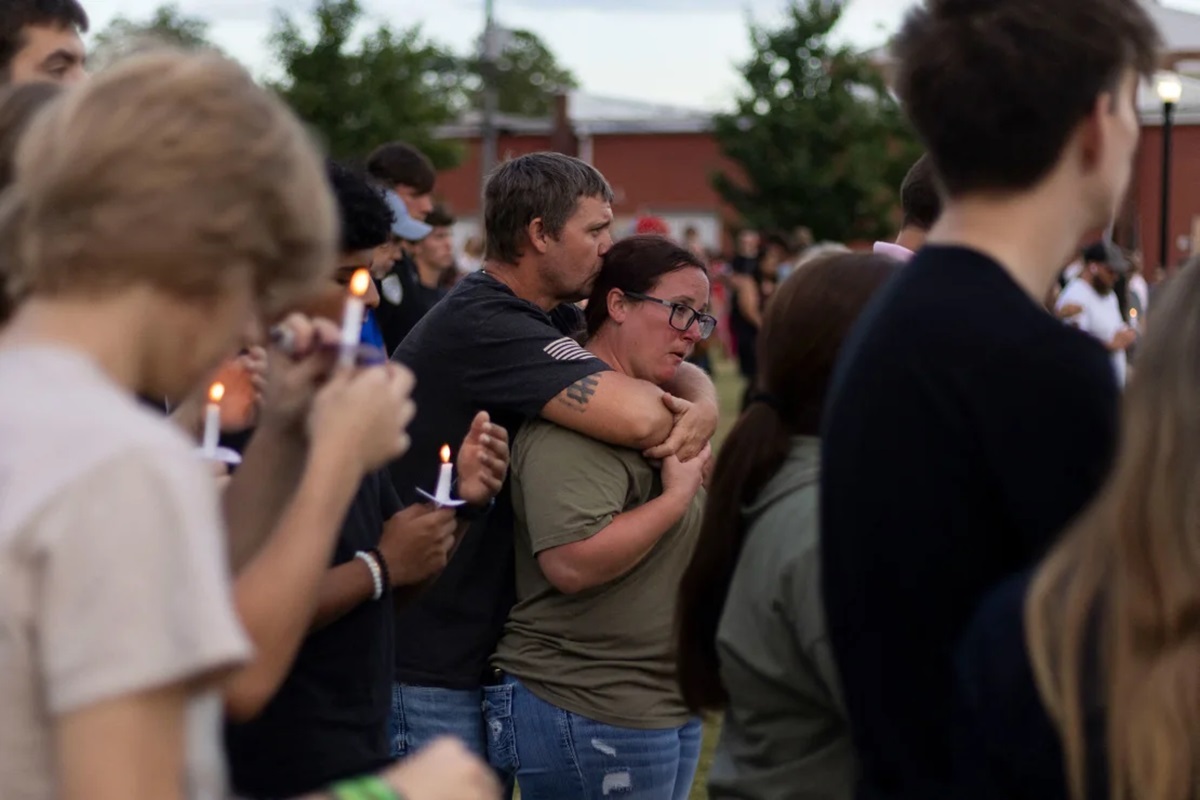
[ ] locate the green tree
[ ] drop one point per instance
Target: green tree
(819, 140)
(390, 85)
(527, 76)
(167, 25)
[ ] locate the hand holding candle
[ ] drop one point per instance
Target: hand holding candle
(352, 320)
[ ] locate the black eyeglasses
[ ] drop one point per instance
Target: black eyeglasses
(682, 317)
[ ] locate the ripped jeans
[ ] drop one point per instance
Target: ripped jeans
(558, 755)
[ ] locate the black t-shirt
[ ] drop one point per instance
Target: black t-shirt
(480, 349)
(329, 720)
(1007, 747)
(403, 301)
(965, 428)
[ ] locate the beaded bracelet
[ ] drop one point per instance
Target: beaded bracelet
(369, 787)
(379, 559)
(376, 573)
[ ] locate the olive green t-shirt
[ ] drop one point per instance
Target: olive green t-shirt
(606, 653)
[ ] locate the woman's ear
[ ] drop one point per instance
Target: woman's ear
(618, 305)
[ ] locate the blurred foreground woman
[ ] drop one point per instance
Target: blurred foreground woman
(1082, 680)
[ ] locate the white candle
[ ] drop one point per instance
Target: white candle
(212, 420)
(352, 321)
(445, 477)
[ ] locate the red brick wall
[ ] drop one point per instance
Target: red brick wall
(1185, 188)
(460, 188)
(661, 172)
(664, 172)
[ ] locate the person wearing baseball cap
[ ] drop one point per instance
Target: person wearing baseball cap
(401, 304)
(1099, 311)
(407, 228)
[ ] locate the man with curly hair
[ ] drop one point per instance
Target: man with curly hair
(329, 719)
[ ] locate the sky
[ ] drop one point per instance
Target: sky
(679, 52)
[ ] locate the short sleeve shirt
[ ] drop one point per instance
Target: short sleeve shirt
(606, 653)
(1100, 317)
(114, 577)
(480, 349)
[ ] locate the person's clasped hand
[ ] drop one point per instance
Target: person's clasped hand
(695, 424)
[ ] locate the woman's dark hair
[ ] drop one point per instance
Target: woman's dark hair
(634, 265)
(806, 322)
(18, 106)
(366, 220)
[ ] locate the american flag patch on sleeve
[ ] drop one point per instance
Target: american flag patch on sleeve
(567, 349)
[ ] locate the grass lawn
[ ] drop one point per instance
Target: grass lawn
(729, 389)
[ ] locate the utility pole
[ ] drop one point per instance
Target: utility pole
(491, 55)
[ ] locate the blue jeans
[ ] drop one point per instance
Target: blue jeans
(558, 755)
(421, 714)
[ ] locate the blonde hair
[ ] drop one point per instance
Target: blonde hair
(172, 169)
(821, 250)
(1113, 616)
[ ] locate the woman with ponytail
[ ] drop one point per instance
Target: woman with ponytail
(1082, 681)
(751, 627)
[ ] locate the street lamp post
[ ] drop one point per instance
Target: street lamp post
(1169, 91)
(489, 144)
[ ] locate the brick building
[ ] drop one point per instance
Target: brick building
(660, 159)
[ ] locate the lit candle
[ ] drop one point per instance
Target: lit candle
(352, 321)
(445, 477)
(212, 420)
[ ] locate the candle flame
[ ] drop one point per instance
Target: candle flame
(216, 392)
(445, 454)
(360, 282)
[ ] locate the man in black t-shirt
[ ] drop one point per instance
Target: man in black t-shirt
(966, 426)
(502, 341)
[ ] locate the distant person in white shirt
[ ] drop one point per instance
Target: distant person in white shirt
(1099, 313)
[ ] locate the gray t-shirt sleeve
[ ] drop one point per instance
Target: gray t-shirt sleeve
(133, 590)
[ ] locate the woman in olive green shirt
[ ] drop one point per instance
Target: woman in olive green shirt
(602, 539)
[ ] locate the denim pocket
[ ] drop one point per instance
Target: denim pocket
(502, 738)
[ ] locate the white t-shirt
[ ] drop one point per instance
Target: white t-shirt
(114, 577)
(1101, 317)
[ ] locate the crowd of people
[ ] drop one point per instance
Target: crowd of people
(293, 507)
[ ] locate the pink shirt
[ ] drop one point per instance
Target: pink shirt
(897, 252)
